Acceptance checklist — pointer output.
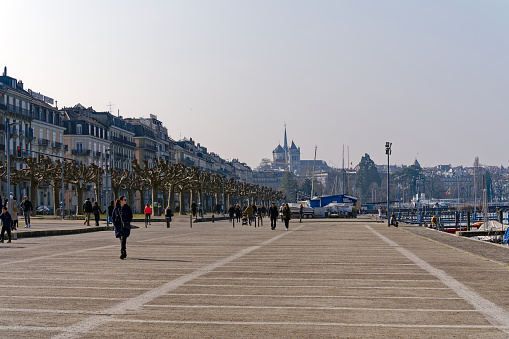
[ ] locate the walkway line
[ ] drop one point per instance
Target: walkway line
(495, 314)
(136, 303)
(337, 308)
(264, 323)
(310, 296)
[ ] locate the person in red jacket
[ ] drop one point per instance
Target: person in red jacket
(148, 213)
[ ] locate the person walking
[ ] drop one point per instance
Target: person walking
(301, 212)
(27, 207)
(286, 215)
(238, 214)
(96, 211)
(168, 215)
(6, 224)
(122, 216)
(273, 214)
(231, 213)
(110, 212)
(249, 213)
(380, 212)
(148, 213)
(13, 211)
(87, 209)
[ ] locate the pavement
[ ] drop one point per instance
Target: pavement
(321, 279)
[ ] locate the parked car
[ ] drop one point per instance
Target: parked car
(307, 212)
(44, 210)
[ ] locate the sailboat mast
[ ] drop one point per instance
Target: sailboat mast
(313, 176)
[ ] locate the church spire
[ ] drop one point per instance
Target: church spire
(285, 146)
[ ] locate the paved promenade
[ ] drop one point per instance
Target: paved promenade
(342, 278)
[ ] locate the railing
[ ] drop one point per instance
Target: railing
(124, 141)
(43, 142)
(29, 134)
(81, 152)
(97, 154)
(19, 110)
(66, 147)
(57, 145)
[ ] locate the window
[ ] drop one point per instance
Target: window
(79, 129)
(54, 136)
(79, 145)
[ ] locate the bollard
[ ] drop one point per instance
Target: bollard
(212, 217)
(233, 220)
(261, 219)
(191, 220)
(501, 216)
(468, 220)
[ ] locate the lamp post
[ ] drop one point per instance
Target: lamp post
(107, 186)
(388, 146)
(8, 125)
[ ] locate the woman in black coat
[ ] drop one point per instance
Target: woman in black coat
(122, 216)
(96, 210)
(286, 215)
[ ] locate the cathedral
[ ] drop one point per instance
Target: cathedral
(286, 158)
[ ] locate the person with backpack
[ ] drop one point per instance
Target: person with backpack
(6, 224)
(87, 209)
(286, 215)
(148, 213)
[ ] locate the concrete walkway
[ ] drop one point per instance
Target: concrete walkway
(320, 279)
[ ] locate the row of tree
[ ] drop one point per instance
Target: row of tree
(162, 178)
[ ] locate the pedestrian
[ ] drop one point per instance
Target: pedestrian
(249, 213)
(122, 216)
(1, 203)
(87, 209)
(301, 212)
(238, 214)
(110, 211)
(193, 208)
(380, 211)
(96, 211)
(231, 213)
(168, 215)
(148, 213)
(286, 215)
(27, 207)
(6, 224)
(13, 211)
(273, 214)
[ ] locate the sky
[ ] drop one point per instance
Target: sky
(430, 76)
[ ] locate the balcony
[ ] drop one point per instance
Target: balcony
(66, 148)
(97, 154)
(29, 134)
(43, 142)
(18, 110)
(56, 145)
(81, 152)
(124, 141)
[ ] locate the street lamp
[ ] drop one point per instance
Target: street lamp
(388, 146)
(8, 125)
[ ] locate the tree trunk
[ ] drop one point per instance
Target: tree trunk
(116, 193)
(171, 196)
(155, 191)
(79, 192)
(182, 202)
(142, 200)
(130, 198)
(56, 192)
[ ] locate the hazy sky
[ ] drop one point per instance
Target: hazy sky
(430, 76)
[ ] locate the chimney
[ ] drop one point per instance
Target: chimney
(5, 71)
